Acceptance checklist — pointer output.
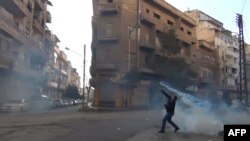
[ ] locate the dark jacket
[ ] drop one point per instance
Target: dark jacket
(170, 106)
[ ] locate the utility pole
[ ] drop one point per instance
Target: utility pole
(83, 79)
(138, 33)
(242, 63)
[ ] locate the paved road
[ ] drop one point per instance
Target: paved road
(71, 125)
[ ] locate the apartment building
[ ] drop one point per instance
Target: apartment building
(248, 68)
(74, 78)
(22, 52)
(221, 51)
(117, 50)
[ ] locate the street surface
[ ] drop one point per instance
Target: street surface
(69, 124)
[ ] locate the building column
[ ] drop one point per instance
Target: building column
(96, 96)
(118, 98)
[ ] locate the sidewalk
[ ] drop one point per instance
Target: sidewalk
(153, 135)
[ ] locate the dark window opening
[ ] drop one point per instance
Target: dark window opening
(157, 16)
(170, 23)
(110, 1)
(189, 33)
(146, 59)
(182, 29)
(147, 10)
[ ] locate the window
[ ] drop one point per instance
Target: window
(182, 29)
(147, 10)
(146, 59)
(157, 16)
(189, 32)
(110, 1)
(170, 23)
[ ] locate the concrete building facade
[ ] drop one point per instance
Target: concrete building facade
(248, 68)
(117, 50)
(225, 51)
(23, 56)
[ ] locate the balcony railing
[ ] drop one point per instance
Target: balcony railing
(147, 19)
(107, 37)
(38, 26)
(39, 4)
(48, 17)
(108, 8)
(206, 45)
(24, 68)
(5, 60)
(106, 66)
(183, 36)
(232, 53)
(146, 45)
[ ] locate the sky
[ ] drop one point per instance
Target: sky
(71, 22)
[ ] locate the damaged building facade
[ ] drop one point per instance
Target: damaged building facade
(118, 51)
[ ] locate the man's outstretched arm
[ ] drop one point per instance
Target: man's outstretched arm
(167, 95)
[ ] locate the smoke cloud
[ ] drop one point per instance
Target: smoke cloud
(201, 116)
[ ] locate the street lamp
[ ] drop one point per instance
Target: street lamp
(83, 81)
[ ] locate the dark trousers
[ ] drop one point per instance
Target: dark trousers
(168, 118)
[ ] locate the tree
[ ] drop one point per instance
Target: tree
(169, 42)
(72, 92)
(175, 68)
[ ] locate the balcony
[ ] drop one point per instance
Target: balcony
(25, 69)
(205, 80)
(48, 17)
(7, 25)
(109, 8)
(37, 26)
(231, 53)
(205, 44)
(230, 87)
(160, 52)
(16, 7)
(5, 60)
(39, 5)
(146, 45)
(147, 19)
(107, 37)
(106, 66)
(184, 37)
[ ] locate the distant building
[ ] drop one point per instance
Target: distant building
(115, 52)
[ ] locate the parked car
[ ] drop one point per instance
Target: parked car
(40, 103)
(58, 102)
(14, 105)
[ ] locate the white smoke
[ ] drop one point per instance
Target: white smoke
(198, 116)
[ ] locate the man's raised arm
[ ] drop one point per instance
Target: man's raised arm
(167, 95)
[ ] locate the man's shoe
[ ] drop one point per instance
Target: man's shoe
(161, 131)
(176, 129)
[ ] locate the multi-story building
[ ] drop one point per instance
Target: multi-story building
(221, 51)
(116, 48)
(248, 68)
(74, 78)
(229, 61)
(22, 47)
